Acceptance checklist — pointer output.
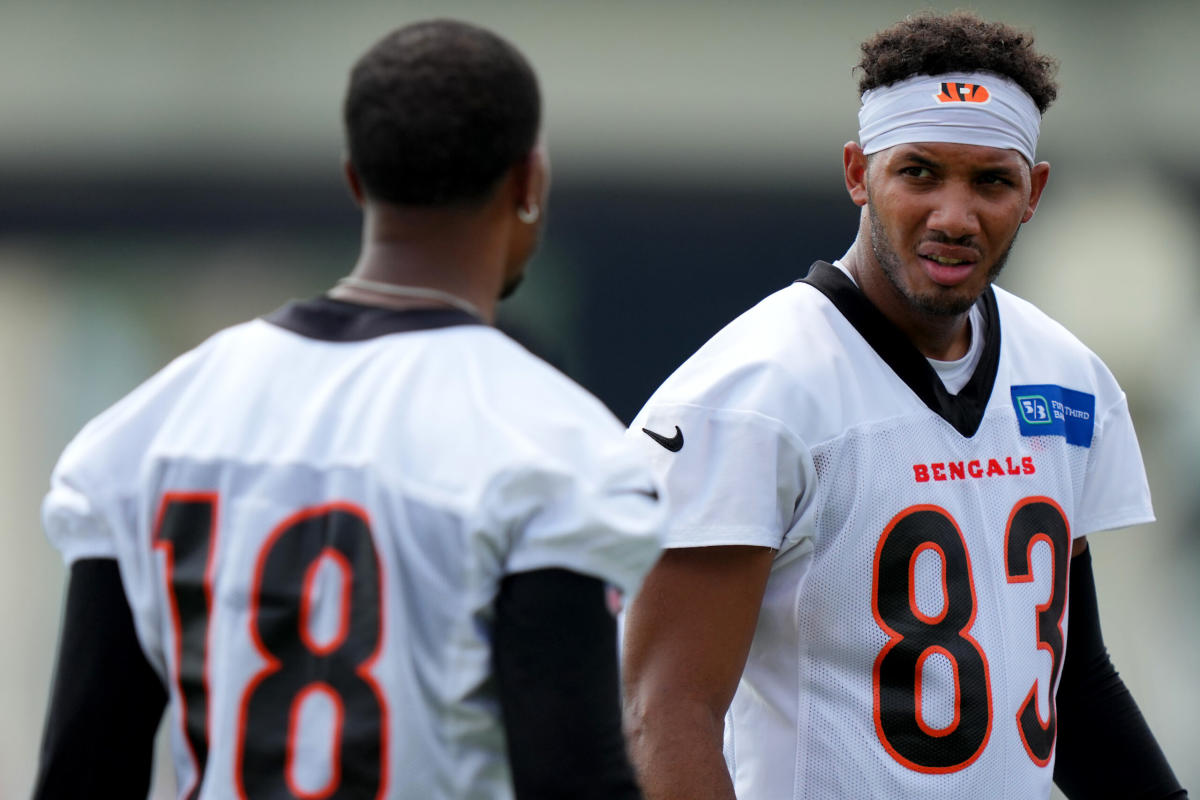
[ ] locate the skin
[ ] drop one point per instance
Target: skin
(689, 631)
(687, 635)
(477, 252)
(929, 200)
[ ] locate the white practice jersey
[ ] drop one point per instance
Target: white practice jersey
(914, 622)
(312, 513)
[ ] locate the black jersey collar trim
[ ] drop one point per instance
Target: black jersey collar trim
(965, 410)
(338, 321)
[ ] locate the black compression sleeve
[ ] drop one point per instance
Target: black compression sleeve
(106, 701)
(1105, 748)
(555, 654)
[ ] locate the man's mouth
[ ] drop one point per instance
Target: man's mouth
(947, 269)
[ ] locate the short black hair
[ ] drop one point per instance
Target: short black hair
(436, 112)
(931, 44)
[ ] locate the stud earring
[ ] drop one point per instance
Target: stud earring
(529, 215)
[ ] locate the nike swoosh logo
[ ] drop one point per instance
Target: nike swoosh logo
(651, 493)
(674, 444)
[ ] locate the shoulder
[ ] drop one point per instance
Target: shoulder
(781, 359)
(103, 449)
(1035, 343)
(521, 413)
(549, 469)
(1020, 317)
(100, 468)
(528, 391)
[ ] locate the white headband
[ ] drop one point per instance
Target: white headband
(959, 107)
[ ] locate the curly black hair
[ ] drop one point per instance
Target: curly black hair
(931, 44)
(436, 112)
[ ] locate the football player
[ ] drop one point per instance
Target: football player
(881, 478)
(365, 545)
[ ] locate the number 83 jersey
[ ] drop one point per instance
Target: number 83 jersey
(312, 514)
(914, 623)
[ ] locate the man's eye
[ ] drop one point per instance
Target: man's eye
(917, 172)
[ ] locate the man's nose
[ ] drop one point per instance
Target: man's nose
(955, 212)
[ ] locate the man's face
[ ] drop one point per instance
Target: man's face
(943, 217)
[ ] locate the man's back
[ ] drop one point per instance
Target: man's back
(312, 515)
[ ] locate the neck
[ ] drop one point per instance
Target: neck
(448, 251)
(945, 337)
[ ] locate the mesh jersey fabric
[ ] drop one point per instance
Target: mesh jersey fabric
(920, 572)
(311, 529)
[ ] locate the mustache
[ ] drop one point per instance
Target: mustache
(937, 237)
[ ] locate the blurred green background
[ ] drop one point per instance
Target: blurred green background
(168, 168)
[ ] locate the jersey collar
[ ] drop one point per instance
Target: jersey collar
(338, 321)
(964, 411)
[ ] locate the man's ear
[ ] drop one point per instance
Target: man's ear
(854, 164)
(1038, 175)
(353, 183)
(533, 180)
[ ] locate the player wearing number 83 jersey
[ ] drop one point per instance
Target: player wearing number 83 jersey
(877, 478)
(913, 616)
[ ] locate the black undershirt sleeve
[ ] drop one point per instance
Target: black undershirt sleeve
(1105, 748)
(555, 656)
(106, 701)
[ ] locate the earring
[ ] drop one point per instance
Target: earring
(529, 215)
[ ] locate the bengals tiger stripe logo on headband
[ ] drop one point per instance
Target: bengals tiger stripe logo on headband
(963, 93)
(980, 108)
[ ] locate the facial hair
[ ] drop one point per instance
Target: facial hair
(511, 285)
(512, 282)
(934, 305)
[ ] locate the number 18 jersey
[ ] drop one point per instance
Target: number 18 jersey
(312, 514)
(914, 623)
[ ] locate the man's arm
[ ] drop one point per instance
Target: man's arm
(687, 636)
(106, 701)
(1105, 748)
(554, 648)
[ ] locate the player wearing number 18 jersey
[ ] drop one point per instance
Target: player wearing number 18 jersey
(364, 541)
(877, 478)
